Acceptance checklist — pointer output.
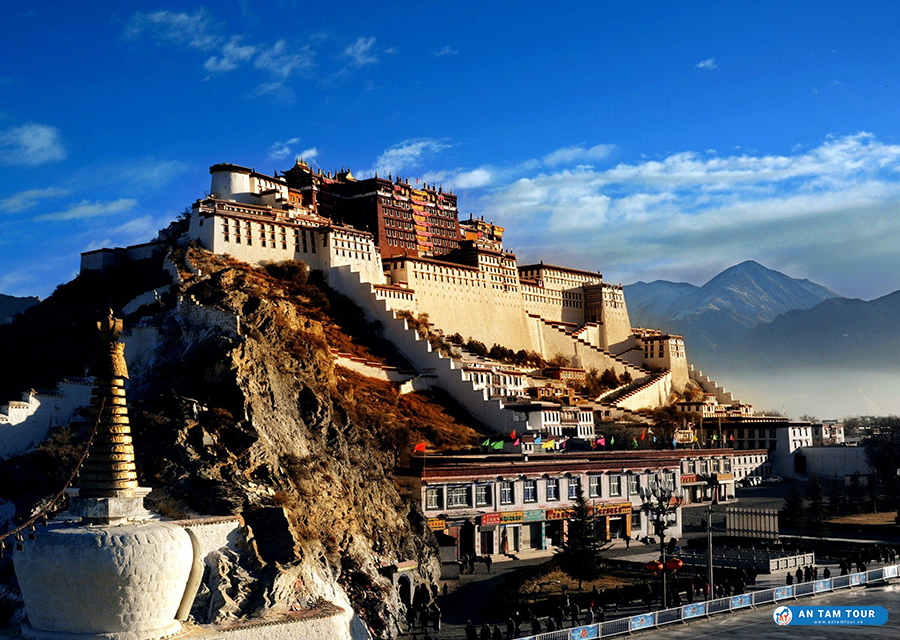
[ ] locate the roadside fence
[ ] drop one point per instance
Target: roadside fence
(708, 608)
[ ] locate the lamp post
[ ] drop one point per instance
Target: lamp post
(661, 501)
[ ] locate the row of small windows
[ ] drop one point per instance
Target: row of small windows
(461, 496)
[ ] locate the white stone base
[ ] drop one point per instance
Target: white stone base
(169, 630)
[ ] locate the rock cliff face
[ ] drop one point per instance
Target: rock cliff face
(237, 408)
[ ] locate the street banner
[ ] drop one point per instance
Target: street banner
(693, 610)
(643, 621)
(743, 600)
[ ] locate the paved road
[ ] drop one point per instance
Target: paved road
(758, 624)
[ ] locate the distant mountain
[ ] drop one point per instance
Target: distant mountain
(845, 332)
(647, 300)
(725, 308)
(11, 305)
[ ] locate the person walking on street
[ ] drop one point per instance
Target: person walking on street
(436, 617)
(826, 573)
(471, 631)
(496, 635)
(485, 632)
(559, 615)
(790, 579)
(627, 542)
(574, 613)
(799, 575)
(510, 629)
(488, 561)
(535, 626)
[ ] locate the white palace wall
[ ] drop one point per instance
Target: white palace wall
(462, 300)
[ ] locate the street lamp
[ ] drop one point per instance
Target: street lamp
(661, 501)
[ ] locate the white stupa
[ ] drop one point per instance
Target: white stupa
(116, 571)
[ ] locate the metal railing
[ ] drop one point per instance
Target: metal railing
(700, 610)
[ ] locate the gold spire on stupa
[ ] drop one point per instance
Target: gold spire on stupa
(109, 470)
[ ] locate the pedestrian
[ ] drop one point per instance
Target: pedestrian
(423, 618)
(844, 569)
(799, 575)
(574, 613)
(496, 635)
(517, 619)
(485, 632)
(807, 574)
(436, 618)
(826, 573)
(488, 561)
(815, 573)
(689, 591)
(446, 589)
(471, 631)
(627, 542)
(601, 614)
(535, 625)
(464, 562)
(559, 615)
(510, 629)
(790, 579)
(551, 626)
(589, 616)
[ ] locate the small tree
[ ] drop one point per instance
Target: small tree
(579, 553)
(815, 493)
(794, 506)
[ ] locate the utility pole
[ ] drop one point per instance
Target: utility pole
(709, 549)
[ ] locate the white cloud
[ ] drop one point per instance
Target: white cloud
(280, 61)
(233, 54)
(274, 92)
(407, 154)
(193, 29)
(709, 63)
(87, 209)
(281, 150)
(361, 53)
(25, 200)
(831, 208)
(446, 51)
(570, 155)
(30, 145)
(309, 154)
(198, 31)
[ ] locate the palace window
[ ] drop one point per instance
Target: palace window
(507, 495)
(632, 484)
(574, 486)
(552, 489)
(483, 495)
(615, 485)
(594, 486)
(529, 493)
(433, 498)
(457, 497)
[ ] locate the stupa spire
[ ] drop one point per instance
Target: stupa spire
(109, 470)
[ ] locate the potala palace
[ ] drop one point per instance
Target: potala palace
(400, 251)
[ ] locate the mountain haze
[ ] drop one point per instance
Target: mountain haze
(11, 305)
(851, 333)
(729, 305)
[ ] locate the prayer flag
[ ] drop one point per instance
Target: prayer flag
(549, 444)
(634, 443)
(537, 440)
(612, 440)
(420, 447)
(516, 443)
(731, 437)
(601, 440)
(512, 436)
(498, 444)
(643, 432)
(486, 443)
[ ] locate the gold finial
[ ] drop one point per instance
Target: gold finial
(109, 470)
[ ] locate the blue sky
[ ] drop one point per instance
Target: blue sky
(647, 140)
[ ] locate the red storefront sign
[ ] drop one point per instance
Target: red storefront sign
(490, 518)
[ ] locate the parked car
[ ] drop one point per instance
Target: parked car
(774, 479)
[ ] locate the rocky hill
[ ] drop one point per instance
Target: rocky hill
(238, 408)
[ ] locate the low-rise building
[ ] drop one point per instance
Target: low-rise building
(504, 504)
(553, 419)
